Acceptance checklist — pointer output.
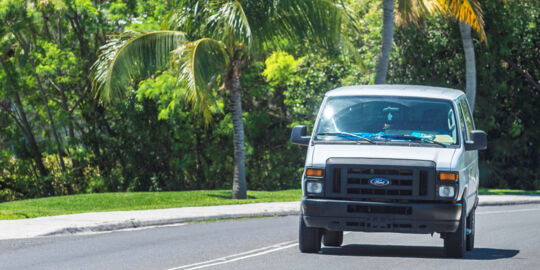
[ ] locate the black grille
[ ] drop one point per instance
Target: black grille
(408, 179)
(423, 183)
(336, 180)
(384, 226)
(379, 209)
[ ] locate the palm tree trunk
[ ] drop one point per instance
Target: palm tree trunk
(239, 176)
(470, 64)
(387, 41)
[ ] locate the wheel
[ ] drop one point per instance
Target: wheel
(309, 239)
(332, 238)
(470, 230)
(455, 243)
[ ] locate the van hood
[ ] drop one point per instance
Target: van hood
(441, 156)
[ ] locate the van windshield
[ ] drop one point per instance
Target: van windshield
(390, 119)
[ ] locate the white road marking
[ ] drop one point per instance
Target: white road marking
(244, 257)
(230, 257)
(239, 256)
(509, 211)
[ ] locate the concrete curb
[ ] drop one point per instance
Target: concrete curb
(163, 222)
(172, 221)
(500, 200)
(508, 203)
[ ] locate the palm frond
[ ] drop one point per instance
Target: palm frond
(131, 57)
(230, 23)
(467, 11)
(411, 11)
(189, 16)
(200, 65)
(318, 21)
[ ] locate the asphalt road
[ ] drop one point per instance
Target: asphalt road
(507, 238)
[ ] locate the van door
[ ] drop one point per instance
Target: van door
(470, 158)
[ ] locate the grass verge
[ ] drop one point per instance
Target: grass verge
(485, 191)
(123, 201)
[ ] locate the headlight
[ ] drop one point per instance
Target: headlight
(314, 187)
(446, 191)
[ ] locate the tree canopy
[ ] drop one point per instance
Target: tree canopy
(57, 137)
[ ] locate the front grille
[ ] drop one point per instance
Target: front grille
(336, 185)
(350, 178)
(384, 226)
(379, 209)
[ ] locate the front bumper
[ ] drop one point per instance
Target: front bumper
(339, 215)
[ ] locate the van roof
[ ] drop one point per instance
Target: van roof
(396, 90)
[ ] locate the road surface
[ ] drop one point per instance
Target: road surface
(508, 237)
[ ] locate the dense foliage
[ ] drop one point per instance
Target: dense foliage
(508, 90)
(56, 138)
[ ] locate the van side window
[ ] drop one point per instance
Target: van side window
(468, 116)
(462, 121)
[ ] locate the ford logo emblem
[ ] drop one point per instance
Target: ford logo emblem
(379, 182)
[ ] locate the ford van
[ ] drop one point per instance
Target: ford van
(390, 158)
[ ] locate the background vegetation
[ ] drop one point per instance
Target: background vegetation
(151, 141)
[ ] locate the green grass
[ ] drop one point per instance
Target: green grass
(485, 191)
(123, 201)
(99, 202)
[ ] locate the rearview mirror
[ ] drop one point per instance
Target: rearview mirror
(298, 135)
(478, 141)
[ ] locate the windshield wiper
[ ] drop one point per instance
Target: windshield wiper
(413, 138)
(347, 134)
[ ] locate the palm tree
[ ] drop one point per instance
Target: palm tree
(470, 63)
(209, 45)
(468, 13)
(387, 41)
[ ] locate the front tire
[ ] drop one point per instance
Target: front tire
(471, 226)
(309, 239)
(455, 243)
(332, 238)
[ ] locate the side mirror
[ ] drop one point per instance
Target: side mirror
(478, 142)
(298, 135)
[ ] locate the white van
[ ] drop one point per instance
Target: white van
(391, 158)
